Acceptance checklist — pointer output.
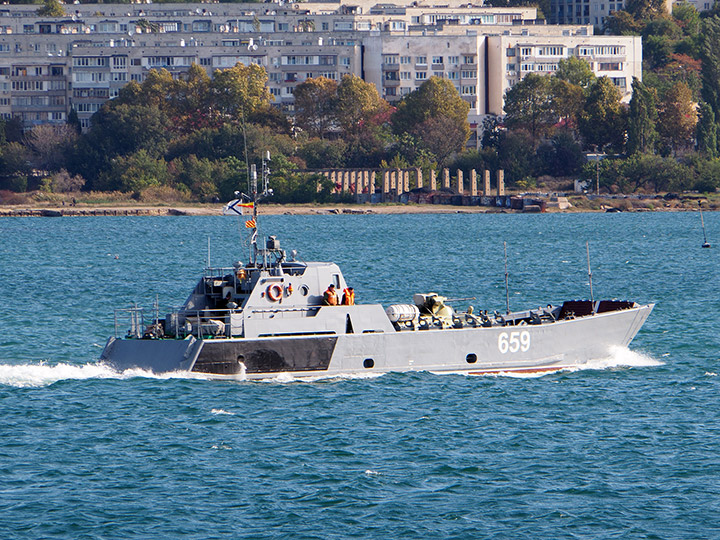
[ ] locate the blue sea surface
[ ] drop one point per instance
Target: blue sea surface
(626, 449)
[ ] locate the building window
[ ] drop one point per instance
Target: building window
(453, 60)
(526, 51)
(437, 59)
(421, 60)
(469, 59)
(550, 51)
(420, 75)
(405, 59)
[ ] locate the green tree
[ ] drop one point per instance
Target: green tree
(73, 121)
(710, 55)
(678, 117)
(528, 105)
(622, 23)
(687, 17)
(642, 119)
(125, 129)
(51, 8)
(434, 98)
(517, 155)
(319, 154)
(576, 71)
(657, 51)
(315, 105)
(561, 156)
(655, 173)
(604, 121)
(134, 172)
(707, 142)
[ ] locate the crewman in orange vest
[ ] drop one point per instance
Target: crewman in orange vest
(348, 298)
(330, 297)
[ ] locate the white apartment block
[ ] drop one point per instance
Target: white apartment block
(49, 66)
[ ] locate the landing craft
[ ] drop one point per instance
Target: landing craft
(271, 316)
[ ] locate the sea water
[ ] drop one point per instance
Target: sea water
(627, 448)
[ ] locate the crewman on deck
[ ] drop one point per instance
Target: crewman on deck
(348, 297)
(330, 297)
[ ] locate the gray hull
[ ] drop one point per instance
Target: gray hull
(524, 348)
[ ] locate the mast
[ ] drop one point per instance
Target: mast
(255, 198)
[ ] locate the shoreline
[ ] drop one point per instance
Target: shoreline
(84, 209)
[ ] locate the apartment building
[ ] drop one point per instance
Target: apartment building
(49, 66)
(582, 11)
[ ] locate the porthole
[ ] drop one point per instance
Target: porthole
(368, 363)
(304, 290)
(471, 358)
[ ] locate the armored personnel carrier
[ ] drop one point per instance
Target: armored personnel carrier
(271, 316)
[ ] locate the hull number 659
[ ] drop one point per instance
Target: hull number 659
(514, 341)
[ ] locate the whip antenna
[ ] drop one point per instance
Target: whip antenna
(587, 249)
(507, 289)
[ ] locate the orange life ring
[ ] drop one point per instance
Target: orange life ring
(274, 292)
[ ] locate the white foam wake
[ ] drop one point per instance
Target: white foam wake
(619, 357)
(623, 357)
(29, 375)
(42, 374)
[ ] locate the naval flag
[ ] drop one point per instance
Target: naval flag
(232, 208)
(235, 208)
(250, 223)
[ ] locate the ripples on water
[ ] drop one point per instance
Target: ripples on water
(625, 449)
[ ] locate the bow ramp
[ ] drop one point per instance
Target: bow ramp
(158, 356)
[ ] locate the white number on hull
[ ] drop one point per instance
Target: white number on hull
(514, 342)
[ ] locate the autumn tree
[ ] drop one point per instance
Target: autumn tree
(436, 116)
(241, 90)
(51, 8)
(434, 98)
(567, 101)
(315, 105)
(678, 117)
(645, 9)
(191, 101)
(358, 105)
